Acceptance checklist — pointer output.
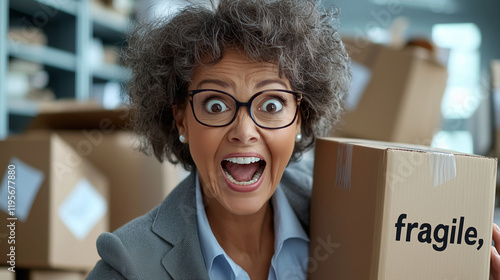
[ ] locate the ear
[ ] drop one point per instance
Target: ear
(180, 117)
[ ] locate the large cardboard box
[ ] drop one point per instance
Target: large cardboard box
(393, 211)
(395, 94)
(53, 203)
(137, 182)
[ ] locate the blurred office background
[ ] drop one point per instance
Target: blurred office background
(82, 41)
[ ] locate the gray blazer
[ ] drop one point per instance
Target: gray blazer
(164, 244)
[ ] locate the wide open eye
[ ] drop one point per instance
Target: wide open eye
(215, 106)
(273, 105)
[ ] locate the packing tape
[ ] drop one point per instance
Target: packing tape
(443, 167)
(344, 162)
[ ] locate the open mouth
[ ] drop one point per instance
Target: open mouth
(243, 170)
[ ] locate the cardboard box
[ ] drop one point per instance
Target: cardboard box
(137, 182)
(395, 94)
(394, 211)
(54, 204)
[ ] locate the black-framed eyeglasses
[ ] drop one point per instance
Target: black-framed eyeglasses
(271, 109)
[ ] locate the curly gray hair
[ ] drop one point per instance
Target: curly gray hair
(294, 34)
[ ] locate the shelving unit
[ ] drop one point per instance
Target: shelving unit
(70, 26)
(44, 55)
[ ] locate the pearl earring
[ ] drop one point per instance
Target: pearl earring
(182, 138)
(298, 138)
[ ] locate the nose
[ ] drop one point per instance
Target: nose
(243, 130)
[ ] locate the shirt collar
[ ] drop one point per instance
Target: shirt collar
(286, 226)
(209, 245)
(286, 223)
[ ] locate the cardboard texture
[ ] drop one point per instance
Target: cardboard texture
(369, 196)
(401, 100)
(137, 182)
(68, 210)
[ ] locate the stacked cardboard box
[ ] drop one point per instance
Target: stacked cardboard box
(67, 157)
(137, 182)
(393, 211)
(395, 94)
(54, 205)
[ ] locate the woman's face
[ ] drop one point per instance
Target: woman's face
(229, 159)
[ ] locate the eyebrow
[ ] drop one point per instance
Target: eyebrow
(264, 83)
(213, 81)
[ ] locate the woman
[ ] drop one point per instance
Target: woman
(233, 93)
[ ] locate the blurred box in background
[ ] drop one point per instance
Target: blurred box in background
(395, 211)
(395, 94)
(60, 204)
(137, 182)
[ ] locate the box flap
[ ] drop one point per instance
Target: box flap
(84, 117)
(394, 146)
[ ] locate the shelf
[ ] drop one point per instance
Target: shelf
(23, 107)
(111, 72)
(42, 54)
(31, 108)
(108, 23)
(48, 7)
(69, 26)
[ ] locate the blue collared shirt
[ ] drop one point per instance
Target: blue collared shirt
(291, 245)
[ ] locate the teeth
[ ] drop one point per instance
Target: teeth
(255, 177)
(243, 160)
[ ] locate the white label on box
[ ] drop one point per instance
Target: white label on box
(82, 209)
(361, 76)
(27, 182)
(443, 168)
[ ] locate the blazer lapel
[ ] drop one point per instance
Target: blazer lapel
(176, 223)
